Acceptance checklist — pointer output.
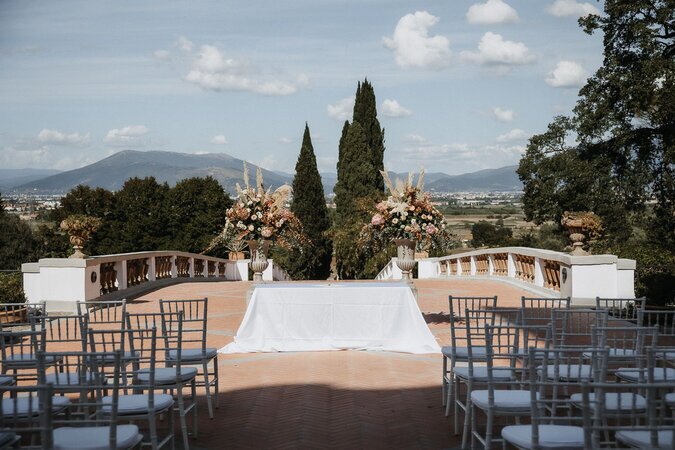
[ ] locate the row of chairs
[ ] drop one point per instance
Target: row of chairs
(157, 352)
(539, 323)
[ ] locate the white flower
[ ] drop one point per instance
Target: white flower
(413, 221)
(249, 203)
(394, 220)
(251, 228)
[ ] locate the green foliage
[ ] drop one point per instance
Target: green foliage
(623, 154)
(11, 289)
(365, 113)
(486, 234)
(17, 244)
(309, 206)
(197, 213)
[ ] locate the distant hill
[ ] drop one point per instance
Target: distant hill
(10, 178)
(502, 179)
(111, 172)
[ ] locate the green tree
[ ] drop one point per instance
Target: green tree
(486, 234)
(141, 218)
(309, 206)
(197, 213)
(365, 113)
(17, 243)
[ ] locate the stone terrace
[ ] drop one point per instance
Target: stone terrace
(342, 399)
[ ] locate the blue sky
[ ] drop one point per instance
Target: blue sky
(460, 85)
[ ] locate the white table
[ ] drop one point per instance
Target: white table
(291, 317)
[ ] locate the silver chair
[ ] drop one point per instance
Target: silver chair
(106, 315)
(195, 351)
(537, 310)
(641, 424)
(23, 416)
(19, 354)
(551, 373)
(144, 403)
(457, 351)
(93, 424)
(170, 373)
(505, 396)
(573, 327)
(625, 309)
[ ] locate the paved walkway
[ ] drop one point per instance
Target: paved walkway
(342, 399)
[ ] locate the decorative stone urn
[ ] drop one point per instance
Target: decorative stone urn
(581, 226)
(405, 249)
(259, 261)
(80, 228)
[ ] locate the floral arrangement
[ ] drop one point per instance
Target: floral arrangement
(406, 214)
(259, 214)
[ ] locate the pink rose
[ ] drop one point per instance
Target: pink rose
(431, 229)
(377, 220)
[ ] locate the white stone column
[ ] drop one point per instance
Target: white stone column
(491, 265)
(539, 272)
(191, 270)
(511, 265)
(174, 267)
(121, 268)
(152, 268)
(472, 264)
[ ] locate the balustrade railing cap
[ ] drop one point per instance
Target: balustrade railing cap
(563, 258)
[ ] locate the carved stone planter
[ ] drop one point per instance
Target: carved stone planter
(405, 249)
(580, 226)
(79, 229)
(259, 258)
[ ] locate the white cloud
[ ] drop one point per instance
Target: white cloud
(162, 55)
(412, 45)
(412, 137)
(458, 157)
(391, 108)
(567, 74)
(211, 70)
(493, 50)
(571, 8)
(285, 140)
(491, 12)
(58, 138)
(342, 109)
(219, 139)
(503, 115)
(130, 135)
(184, 44)
(514, 135)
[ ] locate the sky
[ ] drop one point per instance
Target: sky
(460, 85)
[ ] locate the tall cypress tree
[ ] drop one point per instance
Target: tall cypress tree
(309, 206)
(365, 113)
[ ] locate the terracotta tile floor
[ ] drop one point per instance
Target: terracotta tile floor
(344, 399)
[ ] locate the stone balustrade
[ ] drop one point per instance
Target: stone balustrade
(543, 272)
(61, 282)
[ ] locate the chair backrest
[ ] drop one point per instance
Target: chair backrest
(573, 327)
(537, 310)
(19, 351)
(103, 314)
(664, 320)
(458, 305)
(168, 337)
(552, 374)
(642, 417)
(67, 332)
(622, 308)
(98, 385)
(26, 414)
(624, 342)
(194, 321)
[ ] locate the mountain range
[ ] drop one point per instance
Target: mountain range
(111, 173)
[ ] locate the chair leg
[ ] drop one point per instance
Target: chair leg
(152, 428)
(444, 384)
(216, 380)
(171, 429)
(467, 419)
(456, 384)
(194, 408)
(181, 415)
(207, 386)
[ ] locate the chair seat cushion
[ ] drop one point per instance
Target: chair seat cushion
(126, 357)
(670, 399)
(615, 401)
(167, 375)
(31, 405)
(95, 438)
(6, 381)
(633, 375)
(641, 439)
(550, 436)
(8, 438)
(506, 401)
(67, 379)
(462, 353)
(612, 353)
(570, 372)
(27, 360)
(194, 354)
(138, 403)
(481, 374)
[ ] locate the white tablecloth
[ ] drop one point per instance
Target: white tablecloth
(286, 317)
